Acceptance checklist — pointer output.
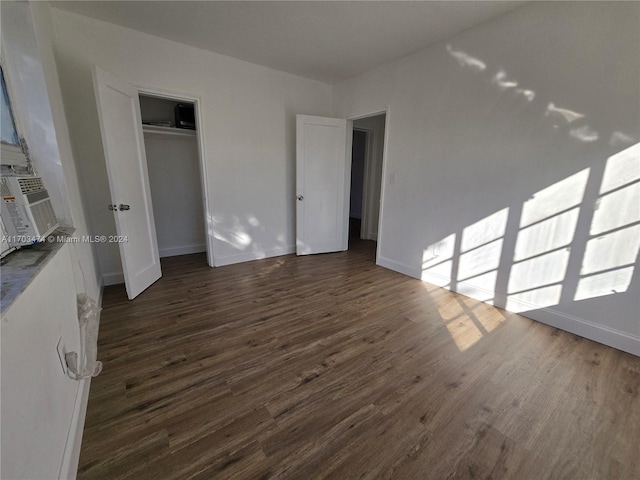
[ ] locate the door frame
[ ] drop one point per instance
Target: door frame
(197, 102)
(350, 120)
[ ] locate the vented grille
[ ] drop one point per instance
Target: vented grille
(26, 209)
(5, 191)
(43, 216)
(28, 185)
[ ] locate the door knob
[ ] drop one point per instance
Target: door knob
(112, 207)
(124, 207)
(300, 197)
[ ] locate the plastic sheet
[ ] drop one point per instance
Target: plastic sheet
(87, 365)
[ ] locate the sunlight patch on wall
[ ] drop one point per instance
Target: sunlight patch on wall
(230, 231)
(558, 115)
(622, 168)
(562, 113)
(439, 251)
(280, 249)
(439, 274)
(538, 272)
(480, 260)
(526, 93)
(546, 235)
(554, 199)
(541, 254)
(536, 275)
(437, 261)
(485, 283)
(620, 139)
(210, 225)
(612, 250)
(617, 209)
(481, 249)
(466, 60)
(585, 134)
(303, 247)
(538, 298)
(485, 230)
(608, 283)
(500, 79)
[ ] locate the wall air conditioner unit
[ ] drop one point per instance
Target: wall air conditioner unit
(6, 247)
(27, 212)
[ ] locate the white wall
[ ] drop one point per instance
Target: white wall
(84, 259)
(505, 145)
(248, 123)
(174, 178)
(27, 43)
(375, 125)
(26, 79)
(42, 409)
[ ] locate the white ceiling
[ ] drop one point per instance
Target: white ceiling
(325, 40)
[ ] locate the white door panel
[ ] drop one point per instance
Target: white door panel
(121, 128)
(322, 181)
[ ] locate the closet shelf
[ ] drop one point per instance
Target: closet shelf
(182, 132)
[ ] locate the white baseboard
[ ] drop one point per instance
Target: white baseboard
(114, 278)
(598, 333)
(398, 267)
(579, 326)
(186, 250)
(249, 256)
(71, 457)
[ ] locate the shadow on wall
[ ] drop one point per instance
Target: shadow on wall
(575, 240)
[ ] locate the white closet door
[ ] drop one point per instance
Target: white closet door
(121, 128)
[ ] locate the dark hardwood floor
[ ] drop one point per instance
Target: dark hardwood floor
(327, 366)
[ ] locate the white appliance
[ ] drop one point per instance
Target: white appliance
(27, 213)
(6, 248)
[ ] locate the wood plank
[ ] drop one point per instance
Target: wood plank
(327, 366)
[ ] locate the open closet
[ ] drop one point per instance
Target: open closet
(174, 175)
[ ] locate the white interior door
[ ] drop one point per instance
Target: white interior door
(121, 128)
(322, 184)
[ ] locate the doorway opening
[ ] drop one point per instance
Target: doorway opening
(171, 140)
(367, 156)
